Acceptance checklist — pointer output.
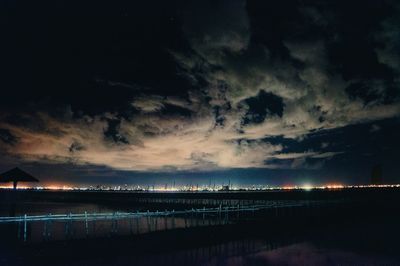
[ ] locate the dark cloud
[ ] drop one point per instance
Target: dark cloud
(7, 137)
(216, 26)
(113, 131)
(389, 38)
(367, 92)
(170, 109)
(76, 147)
(262, 105)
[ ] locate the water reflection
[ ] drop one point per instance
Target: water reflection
(112, 226)
(250, 252)
(207, 240)
(305, 253)
(40, 231)
(40, 208)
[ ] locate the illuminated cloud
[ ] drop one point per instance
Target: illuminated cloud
(239, 89)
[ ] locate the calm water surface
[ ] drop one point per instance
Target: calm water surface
(372, 243)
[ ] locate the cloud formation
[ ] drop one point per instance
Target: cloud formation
(240, 88)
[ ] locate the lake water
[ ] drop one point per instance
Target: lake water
(42, 208)
(197, 240)
(306, 253)
(44, 231)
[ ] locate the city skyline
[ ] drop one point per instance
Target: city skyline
(254, 92)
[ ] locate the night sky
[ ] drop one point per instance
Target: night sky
(147, 92)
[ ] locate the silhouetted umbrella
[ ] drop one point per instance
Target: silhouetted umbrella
(16, 175)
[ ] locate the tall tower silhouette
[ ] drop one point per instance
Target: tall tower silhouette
(376, 175)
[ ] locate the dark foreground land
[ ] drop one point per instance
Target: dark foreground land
(362, 229)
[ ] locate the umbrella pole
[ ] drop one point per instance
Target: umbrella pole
(15, 184)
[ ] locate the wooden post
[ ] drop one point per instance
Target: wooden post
(66, 229)
(165, 221)
(86, 224)
(130, 225)
(19, 230)
(219, 211)
(114, 224)
(94, 227)
(148, 222)
(45, 230)
(25, 228)
(137, 223)
(49, 225)
(70, 229)
(185, 219)
(191, 218)
(197, 218)
(173, 219)
(156, 221)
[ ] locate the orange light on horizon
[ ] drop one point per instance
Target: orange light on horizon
(54, 187)
(50, 187)
(334, 186)
(289, 187)
(11, 187)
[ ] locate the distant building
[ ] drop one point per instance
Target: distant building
(225, 188)
(376, 175)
